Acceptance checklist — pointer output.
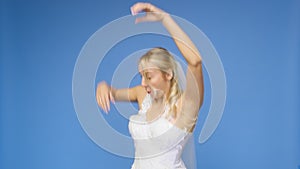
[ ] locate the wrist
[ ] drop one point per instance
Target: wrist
(112, 91)
(165, 17)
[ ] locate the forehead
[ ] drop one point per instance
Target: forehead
(147, 67)
(149, 71)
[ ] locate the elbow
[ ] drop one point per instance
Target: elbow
(195, 62)
(200, 103)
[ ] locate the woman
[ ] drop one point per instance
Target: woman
(167, 114)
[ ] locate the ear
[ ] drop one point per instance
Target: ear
(169, 74)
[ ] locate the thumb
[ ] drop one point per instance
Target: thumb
(111, 97)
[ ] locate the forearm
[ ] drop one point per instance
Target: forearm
(125, 94)
(119, 94)
(183, 42)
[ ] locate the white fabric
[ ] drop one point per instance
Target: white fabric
(158, 144)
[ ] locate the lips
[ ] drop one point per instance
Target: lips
(148, 90)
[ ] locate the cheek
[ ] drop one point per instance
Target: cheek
(158, 83)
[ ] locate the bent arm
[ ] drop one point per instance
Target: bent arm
(127, 94)
(106, 94)
(194, 91)
(134, 94)
(192, 97)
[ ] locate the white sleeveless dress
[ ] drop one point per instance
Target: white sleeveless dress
(158, 144)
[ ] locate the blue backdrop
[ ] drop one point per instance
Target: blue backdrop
(258, 42)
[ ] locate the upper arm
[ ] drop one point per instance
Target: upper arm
(194, 91)
(192, 98)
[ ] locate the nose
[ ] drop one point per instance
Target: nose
(143, 83)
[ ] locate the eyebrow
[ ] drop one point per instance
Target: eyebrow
(146, 74)
(146, 71)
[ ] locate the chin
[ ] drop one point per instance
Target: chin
(158, 94)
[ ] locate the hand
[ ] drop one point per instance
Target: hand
(104, 96)
(153, 13)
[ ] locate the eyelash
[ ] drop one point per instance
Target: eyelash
(148, 78)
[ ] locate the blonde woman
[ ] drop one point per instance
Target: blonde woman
(167, 114)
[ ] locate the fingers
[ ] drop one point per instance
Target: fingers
(152, 13)
(100, 103)
(104, 96)
(107, 103)
(138, 7)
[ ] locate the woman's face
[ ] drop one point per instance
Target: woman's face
(156, 82)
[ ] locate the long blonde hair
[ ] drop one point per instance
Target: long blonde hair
(164, 61)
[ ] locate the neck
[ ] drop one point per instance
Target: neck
(159, 101)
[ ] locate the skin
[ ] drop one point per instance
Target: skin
(154, 79)
(155, 82)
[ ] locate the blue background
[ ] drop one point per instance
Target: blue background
(258, 43)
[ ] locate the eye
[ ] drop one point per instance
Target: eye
(148, 77)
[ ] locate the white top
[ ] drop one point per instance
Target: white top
(158, 144)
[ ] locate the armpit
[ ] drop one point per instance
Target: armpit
(187, 121)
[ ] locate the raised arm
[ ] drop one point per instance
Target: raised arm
(194, 88)
(192, 98)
